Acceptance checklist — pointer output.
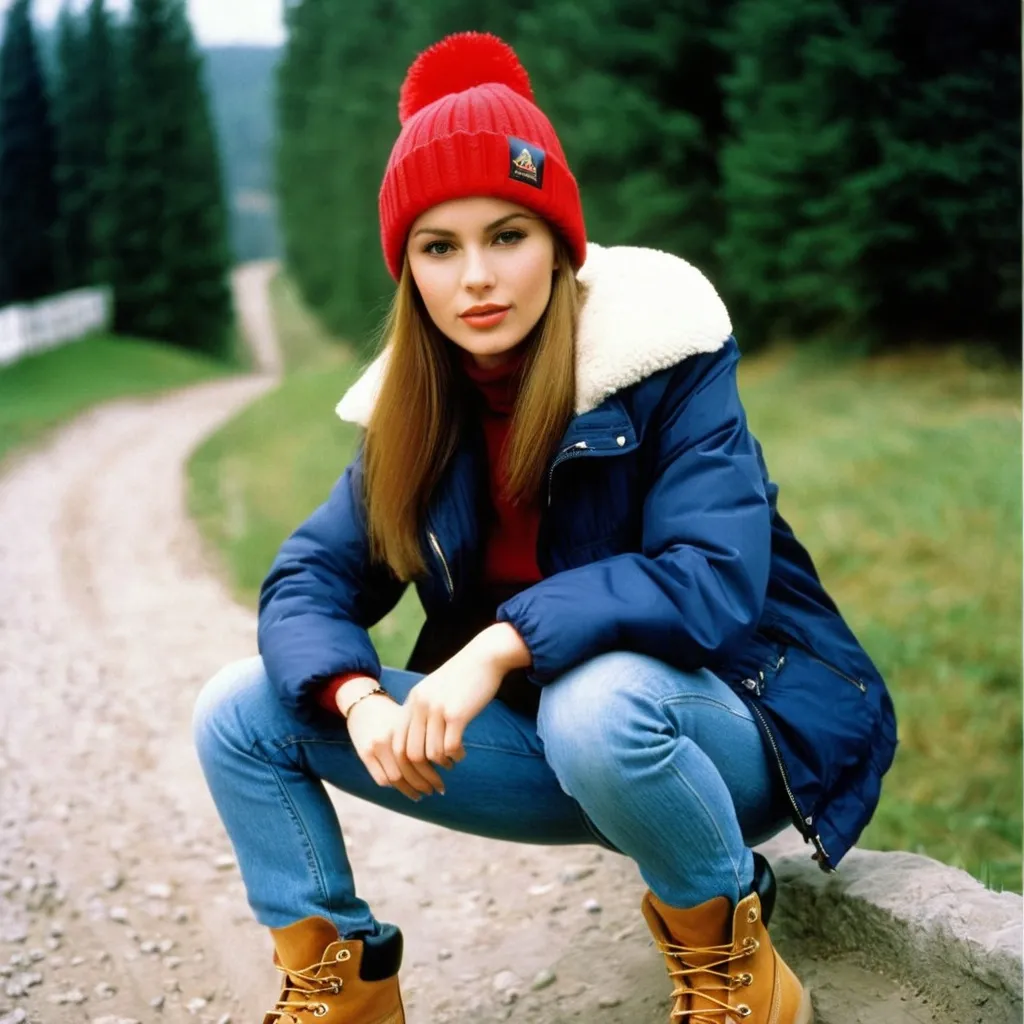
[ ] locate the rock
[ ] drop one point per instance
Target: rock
(77, 961)
(541, 890)
(118, 914)
(157, 1002)
(171, 962)
(444, 954)
(606, 1002)
(30, 979)
(72, 995)
(624, 933)
(224, 862)
(180, 915)
(591, 906)
(159, 891)
(15, 989)
(35, 955)
(575, 873)
(505, 980)
(165, 945)
(542, 979)
(53, 943)
(104, 990)
(18, 1016)
(195, 1005)
(56, 929)
(148, 946)
(112, 880)
(224, 1018)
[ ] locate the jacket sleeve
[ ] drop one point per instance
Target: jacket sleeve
(321, 596)
(697, 588)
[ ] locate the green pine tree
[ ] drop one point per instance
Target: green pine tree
(167, 231)
(84, 107)
(28, 193)
(951, 140)
(643, 120)
(802, 175)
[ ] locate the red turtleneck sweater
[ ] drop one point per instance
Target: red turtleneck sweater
(510, 553)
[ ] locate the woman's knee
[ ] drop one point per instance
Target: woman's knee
(228, 703)
(605, 713)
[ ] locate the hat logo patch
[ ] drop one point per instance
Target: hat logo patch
(526, 162)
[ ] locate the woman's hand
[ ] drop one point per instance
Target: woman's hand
(442, 704)
(373, 725)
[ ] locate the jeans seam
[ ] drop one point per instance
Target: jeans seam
(280, 745)
(700, 698)
(312, 861)
(714, 822)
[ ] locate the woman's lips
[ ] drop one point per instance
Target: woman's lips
(482, 321)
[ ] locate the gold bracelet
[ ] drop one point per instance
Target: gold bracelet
(369, 693)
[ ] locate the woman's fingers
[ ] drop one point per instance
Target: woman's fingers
(413, 787)
(452, 743)
(435, 738)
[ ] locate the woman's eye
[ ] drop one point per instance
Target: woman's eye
(510, 237)
(429, 248)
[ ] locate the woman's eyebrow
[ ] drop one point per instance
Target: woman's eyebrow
(490, 227)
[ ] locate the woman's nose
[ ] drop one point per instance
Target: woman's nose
(477, 272)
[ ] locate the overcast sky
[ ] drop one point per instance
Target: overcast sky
(215, 22)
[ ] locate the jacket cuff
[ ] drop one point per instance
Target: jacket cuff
(326, 695)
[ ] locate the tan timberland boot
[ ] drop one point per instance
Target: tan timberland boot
(330, 980)
(723, 965)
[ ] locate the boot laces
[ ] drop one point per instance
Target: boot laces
(286, 1010)
(688, 973)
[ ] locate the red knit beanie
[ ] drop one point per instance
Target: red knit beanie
(470, 127)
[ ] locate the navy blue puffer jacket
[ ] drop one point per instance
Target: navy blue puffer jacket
(660, 534)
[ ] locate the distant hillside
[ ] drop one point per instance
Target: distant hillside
(240, 81)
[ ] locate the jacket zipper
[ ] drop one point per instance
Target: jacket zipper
(839, 672)
(562, 456)
(806, 824)
(436, 545)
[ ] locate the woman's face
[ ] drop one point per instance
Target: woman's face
(483, 268)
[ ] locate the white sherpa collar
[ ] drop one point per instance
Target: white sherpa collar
(645, 311)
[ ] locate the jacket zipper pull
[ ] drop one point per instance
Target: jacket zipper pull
(561, 457)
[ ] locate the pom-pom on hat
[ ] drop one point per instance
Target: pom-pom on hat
(470, 127)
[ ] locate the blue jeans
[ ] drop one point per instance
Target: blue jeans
(663, 766)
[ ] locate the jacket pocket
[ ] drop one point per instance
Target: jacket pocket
(822, 721)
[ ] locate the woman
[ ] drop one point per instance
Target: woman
(624, 644)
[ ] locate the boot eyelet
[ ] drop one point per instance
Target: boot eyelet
(342, 954)
(751, 945)
(743, 1010)
(752, 914)
(746, 979)
(336, 985)
(320, 1009)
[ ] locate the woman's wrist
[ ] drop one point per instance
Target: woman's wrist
(352, 690)
(504, 646)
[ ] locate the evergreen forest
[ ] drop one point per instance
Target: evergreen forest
(839, 169)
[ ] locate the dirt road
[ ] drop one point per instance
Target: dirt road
(119, 899)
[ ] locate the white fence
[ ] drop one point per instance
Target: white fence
(36, 326)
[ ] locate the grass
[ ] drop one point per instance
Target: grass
(44, 390)
(901, 475)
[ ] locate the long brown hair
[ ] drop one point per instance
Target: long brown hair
(418, 415)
